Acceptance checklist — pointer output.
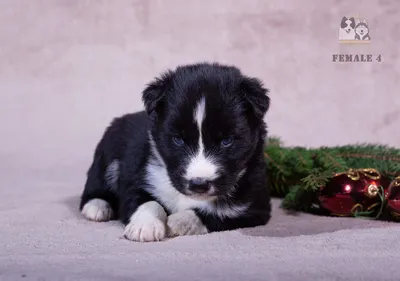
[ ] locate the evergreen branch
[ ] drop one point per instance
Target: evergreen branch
(298, 172)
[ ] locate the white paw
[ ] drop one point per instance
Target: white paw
(145, 232)
(97, 210)
(147, 224)
(185, 223)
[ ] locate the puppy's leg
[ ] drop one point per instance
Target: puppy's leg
(147, 223)
(98, 201)
(144, 218)
(185, 223)
(197, 222)
(250, 218)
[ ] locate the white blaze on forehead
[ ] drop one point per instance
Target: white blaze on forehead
(201, 166)
(200, 113)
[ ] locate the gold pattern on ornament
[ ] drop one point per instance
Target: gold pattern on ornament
(395, 215)
(394, 183)
(357, 208)
(355, 174)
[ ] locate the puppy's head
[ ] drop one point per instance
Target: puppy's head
(348, 24)
(362, 27)
(207, 120)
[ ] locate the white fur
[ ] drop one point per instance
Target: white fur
(344, 35)
(201, 166)
(147, 224)
(97, 210)
(174, 201)
(185, 223)
(347, 33)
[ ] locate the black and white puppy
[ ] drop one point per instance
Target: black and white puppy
(346, 31)
(192, 163)
(362, 30)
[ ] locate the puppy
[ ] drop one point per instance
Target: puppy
(362, 30)
(191, 163)
(346, 31)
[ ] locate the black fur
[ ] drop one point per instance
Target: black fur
(235, 107)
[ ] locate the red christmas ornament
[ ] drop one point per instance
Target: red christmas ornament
(393, 198)
(356, 191)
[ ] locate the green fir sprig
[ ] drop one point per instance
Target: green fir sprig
(297, 173)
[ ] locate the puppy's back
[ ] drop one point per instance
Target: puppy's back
(127, 130)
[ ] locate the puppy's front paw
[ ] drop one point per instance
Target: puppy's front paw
(147, 224)
(185, 223)
(150, 231)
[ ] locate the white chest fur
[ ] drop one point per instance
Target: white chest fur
(174, 201)
(164, 191)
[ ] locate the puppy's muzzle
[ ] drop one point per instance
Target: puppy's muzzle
(199, 185)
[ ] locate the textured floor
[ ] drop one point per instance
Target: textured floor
(68, 67)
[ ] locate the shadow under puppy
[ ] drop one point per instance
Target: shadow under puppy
(191, 164)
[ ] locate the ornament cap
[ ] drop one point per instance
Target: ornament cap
(372, 190)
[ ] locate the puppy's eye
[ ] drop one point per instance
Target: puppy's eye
(227, 142)
(178, 141)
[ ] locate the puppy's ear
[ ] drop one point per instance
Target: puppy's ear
(156, 90)
(353, 22)
(256, 96)
(343, 23)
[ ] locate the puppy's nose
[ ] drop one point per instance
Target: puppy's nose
(199, 185)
